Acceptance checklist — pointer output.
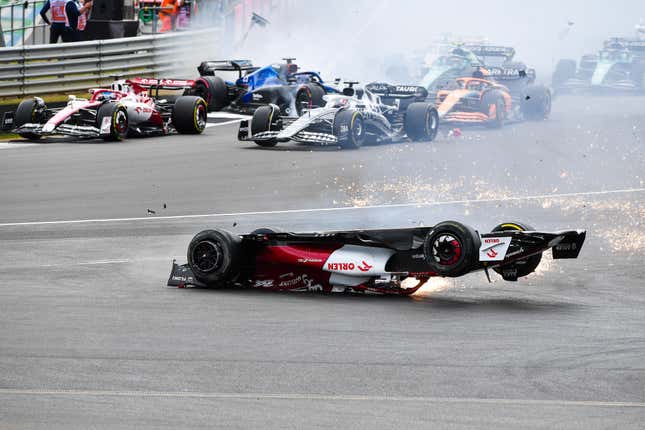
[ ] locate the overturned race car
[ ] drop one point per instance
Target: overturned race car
(127, 108)
(366, 261)
(375, 114)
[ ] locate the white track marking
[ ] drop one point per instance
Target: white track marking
(228, 115)
(336, 209)
(218, 124)
(9, 145)
(317, 397)
(87, 263)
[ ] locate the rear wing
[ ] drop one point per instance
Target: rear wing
(208, 68)
(397, 91)
(484, 51)
(161, 84)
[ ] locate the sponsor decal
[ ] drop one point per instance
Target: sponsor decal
(406, 89)
(566, 247)
(341, 266)
(258, 97)
(140, 109)
(379, 87)
(418, 256)
(494, 248)
(164, 82)
(346, 267)
(364, 267)
(309, 260)
(263, 283)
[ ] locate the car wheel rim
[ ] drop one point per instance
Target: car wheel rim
(446, 250)
(431, 123)
(207, 256)
(121, 122)
(200, 116)
(358, 129)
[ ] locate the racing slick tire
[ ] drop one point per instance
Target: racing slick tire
(189, 115)
(451, 249)
(119, 124)
(309, 95)
(564, 70)
(421, 122)
(214, 257)
(213, 90)
(535, 103)
(28, 112)
(518, 268)
(490, 100)
(349, 129)
(265, 118)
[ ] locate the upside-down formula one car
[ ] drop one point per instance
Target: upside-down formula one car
(375, 114)
(486, 102)
(368, 261)
(127, 108)
(279, 84)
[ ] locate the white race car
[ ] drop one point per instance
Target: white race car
(126, 108)
(377, 113)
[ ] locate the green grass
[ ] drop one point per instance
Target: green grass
(8, 136)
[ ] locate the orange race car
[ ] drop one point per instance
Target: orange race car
(478, 100)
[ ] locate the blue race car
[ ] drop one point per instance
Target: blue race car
(279, 84)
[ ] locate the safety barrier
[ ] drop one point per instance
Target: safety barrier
(62, 68)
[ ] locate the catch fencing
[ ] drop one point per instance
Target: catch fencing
(69, 67)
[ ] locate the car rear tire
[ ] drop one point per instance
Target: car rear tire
(521, 267)
(451, 249)
(119, 125)
(312, 95)
(494, 99)
(265, 118)
(536, 102)
(349, 129)
(189, 115)
(214, 256)
(213, 90)
(421, 122)
(28, 112)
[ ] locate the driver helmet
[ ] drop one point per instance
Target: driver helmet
(121, 86)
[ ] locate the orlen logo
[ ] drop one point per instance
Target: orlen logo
(341, 266)
(491, 240)
(364, 267)
(346, 267)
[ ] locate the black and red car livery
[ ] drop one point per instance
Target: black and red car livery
(367, 261)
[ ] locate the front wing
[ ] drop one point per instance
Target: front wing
(306, 137)
(63, 129)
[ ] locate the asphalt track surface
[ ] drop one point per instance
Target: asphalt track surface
(90, 337)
